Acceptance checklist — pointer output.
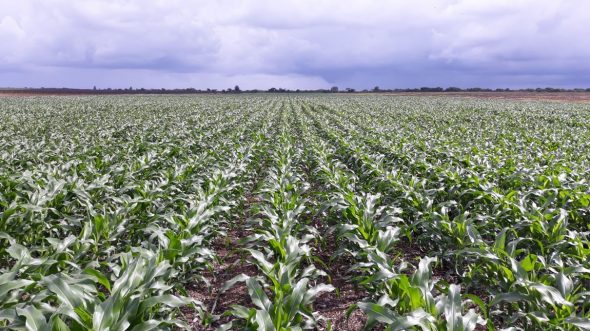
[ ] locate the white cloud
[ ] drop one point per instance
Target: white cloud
(142, 78)
(324, 41)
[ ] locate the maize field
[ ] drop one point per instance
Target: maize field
(293, 212)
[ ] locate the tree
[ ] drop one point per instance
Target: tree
(334, 89)
(236, 88)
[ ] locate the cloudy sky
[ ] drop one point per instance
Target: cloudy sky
(294, 44)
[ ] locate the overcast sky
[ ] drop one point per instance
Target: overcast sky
(294, 44)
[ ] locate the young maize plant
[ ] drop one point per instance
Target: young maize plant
(372, 230)
(137, 297)
(282, 256)
(185, 239)
(441, 213)
(552, 231)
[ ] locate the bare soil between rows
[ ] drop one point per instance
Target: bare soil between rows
(233, 261)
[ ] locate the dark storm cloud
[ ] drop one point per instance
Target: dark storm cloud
(306, 44)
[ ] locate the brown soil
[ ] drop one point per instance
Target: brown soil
(575, 97)
(408, 251)
(232, 262)
(334, 305)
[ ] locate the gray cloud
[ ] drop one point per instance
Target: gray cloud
(307, 44)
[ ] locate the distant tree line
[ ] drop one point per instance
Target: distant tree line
(236, 90)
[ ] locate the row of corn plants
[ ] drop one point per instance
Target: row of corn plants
(404, 298)
(279, 246)
(123, 266)
(527, 278)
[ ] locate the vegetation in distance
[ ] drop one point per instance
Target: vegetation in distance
(236, 89)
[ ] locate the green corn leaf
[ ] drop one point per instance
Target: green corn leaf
(509, 297)
(11, 285)
(418, 318)
(264, 321)
(564, 284)
(34, 319)
(259, 298)
(58, 325)
(165, 299)
(99, 277)
(550, 295)
(296, 298)
(582, 323)
(160, 325)
(452, 309)
(313, 292)
(230, 283)
(378, 312)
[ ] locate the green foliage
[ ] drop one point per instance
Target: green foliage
(450, 214)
